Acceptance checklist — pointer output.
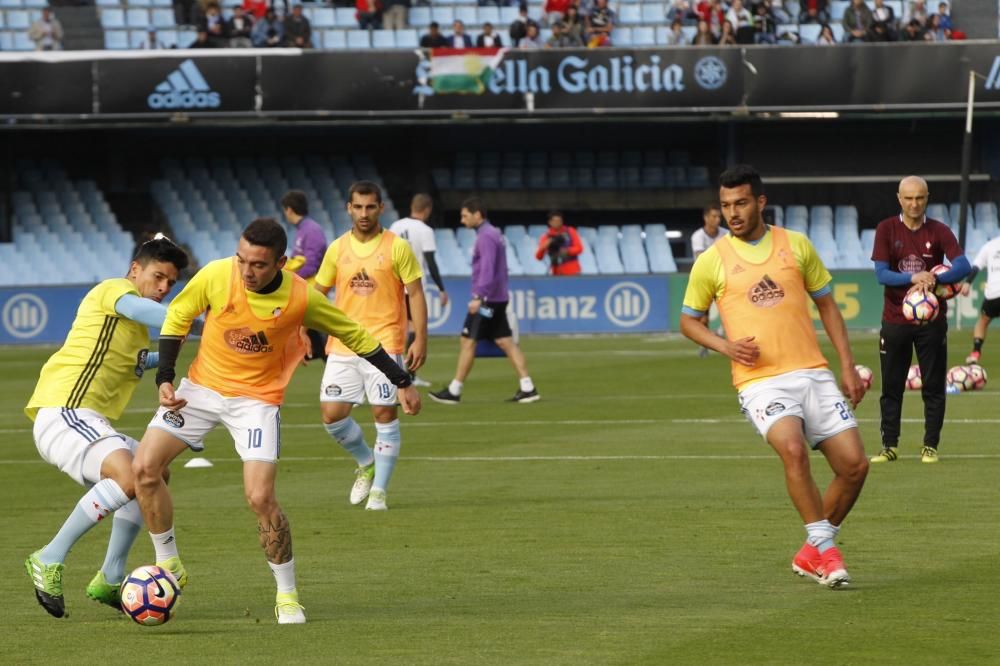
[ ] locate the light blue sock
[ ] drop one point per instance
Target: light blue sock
(124, 529)
(387, 443)
(105, 497)
(348, 434)
(821, 534)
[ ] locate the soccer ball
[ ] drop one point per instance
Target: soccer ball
(961, 378)
(866, 375)
(944, 291)
(920, 306)
(150, 595)
(978, 374)
(914, 381)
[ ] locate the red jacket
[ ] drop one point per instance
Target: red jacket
(257, 8)
(571, 249)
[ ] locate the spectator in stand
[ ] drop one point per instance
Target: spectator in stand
(561, 39)
(680, 10)
(151, 43)
(268, 32)
(298, 31)
(488, 39)
(713, 14)
(913, 32)
(458, 39)
(555, 10)
(728, 37)
(433, 39)
(561, 243)
(778, 11)
(184, 12)
(574, 23)
(704, 36)
(857, 22)
(46, 32)
(944, 16)
(600, 24)
(214, 27)
(519, 26)
(813, 11)
(368, 14)
(934, 31)
(531, 40)
(742, 21)
(240, 28)
(884, 22)
(395, 13)
(767, 31)
(916, 10)
(200, 41)
(675, 36)
(826, 36)
(255, 8)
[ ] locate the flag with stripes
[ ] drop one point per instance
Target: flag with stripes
(463, 71)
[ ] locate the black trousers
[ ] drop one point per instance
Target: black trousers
(896, 353)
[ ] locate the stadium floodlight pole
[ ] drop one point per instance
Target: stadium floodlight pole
(963, 192)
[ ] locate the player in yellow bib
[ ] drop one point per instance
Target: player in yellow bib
(370, 267)
(250, 347)
(762, 277)
(81, 387)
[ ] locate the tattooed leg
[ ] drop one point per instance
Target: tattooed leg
(272, 525)
(275, 537)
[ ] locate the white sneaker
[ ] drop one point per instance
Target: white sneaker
(362, 484)
(288, 610)
(417, 381)
(376, 501)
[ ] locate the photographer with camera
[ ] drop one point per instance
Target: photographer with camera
(562, 244)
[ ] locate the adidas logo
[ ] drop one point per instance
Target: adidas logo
(184, 88)
(254, 343)
(766, 293)
(363, 284)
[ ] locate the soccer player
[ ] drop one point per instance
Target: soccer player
(487, 317)
(988, 258)
(907, 246)
(701, 240)
(370, 268)
(83, 385)
(250, 347)
(307, 252)
(762, 278)
(415, 231)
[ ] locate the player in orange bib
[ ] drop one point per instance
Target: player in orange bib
(762, 279)
(370, 267)
(251, 345)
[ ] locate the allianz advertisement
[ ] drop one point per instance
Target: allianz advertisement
(619, 304)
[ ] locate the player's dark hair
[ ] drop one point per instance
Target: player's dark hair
(364, 187)
(266, 232)
(742, 174)
(161, 249)
(555, 213)
(297, 201)
(709, 208)
(421, 202)
(474, 205)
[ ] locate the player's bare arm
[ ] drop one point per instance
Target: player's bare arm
(416, 355)
(744, 351)
(836, 329)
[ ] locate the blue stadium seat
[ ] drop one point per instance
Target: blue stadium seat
(18, 19)
(407, 39)
(334, 39)
(358, 39)
(559, 178)
(442, 178)
(643, 36)
(514, 266)
(630, 14)
(464, 179)
(697, 176)
(809, 32)
(537, 178)
(608, 259)
(163, 18)
(6, 40)
(445, 16)
(467, 15)
(838, 7)
(419, 17)
(383, 39)
(115, 39)
(514, 232)
(346, 17)
(489, 178)
(511, 178)
(11, 4)
(621, 36)
(507, 15)
(586, 158)
(634, 256)
(323, 17)
(488, 15)
(653, 13)
(137, 17)
(22, 42)
(653, 177)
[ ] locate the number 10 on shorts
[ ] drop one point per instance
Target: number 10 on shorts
(255, 437)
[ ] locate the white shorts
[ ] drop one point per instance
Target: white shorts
(255, 426)
(352, 379)
(811, 395)
(77, 441)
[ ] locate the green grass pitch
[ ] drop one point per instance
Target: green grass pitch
(629, 517)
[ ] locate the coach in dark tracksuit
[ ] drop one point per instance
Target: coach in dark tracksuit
(907, 247)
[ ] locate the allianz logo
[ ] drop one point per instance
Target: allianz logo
(24, 316)
(184, 88)
(625, 304)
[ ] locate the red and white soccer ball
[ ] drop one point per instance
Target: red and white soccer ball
(920, 306)
(150, 595)
(961, 378)
(914, 382)
(944, 291)
(978, 374)
(866, 375)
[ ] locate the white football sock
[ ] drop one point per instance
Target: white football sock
(455, 388)
(165, 545)
(527, 385)
(284, 575)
